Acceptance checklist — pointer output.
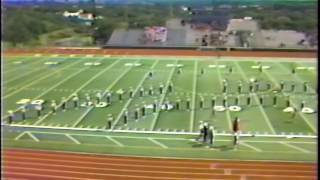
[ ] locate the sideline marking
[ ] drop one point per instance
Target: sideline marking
(73, 139)
(33, 136)
(154, 120)
(20, 135)
(81, 87)
(158, 143)
(250, 146)
(194, 91)
(295, 147)
(244, 76)
(114, 141)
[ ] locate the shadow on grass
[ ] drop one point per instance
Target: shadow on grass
(226, 147)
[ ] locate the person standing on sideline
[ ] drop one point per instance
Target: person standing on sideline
(236, 131)
(205, 132)
(211, 135)
(110, 121)
(201, 131)
(10, 117)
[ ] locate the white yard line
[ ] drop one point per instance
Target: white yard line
(293, 104)
(250, 146)
(194, 93)
(163, 138)
(15, 69)
(82, 116)
(20, 135)
(295, 147)
(158, 143)
(296, 76)
(40, 79)
(21, 75)
(33, 136)
(103, 94)
(227, 111)
(129, 101)
(58, 84)
(264, 114)
(72, 138)
(154, 120)
(77, 90)
(114, 141)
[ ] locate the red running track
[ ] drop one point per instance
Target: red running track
(23, 164)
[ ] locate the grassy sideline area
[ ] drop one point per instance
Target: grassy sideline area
(29, 77)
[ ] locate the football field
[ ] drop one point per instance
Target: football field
(164, 100)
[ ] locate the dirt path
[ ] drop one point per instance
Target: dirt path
(33, 164)
(160, 52)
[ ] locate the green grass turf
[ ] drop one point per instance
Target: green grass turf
(33, 79)
(172, 145)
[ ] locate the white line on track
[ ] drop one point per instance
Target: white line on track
(264, 114)
(295, 147)
(114, 141)
(154, 120)
(72, 138)
(250, 146)
(88, 173)
(194, 92)
(81, 87)
(158, 143)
